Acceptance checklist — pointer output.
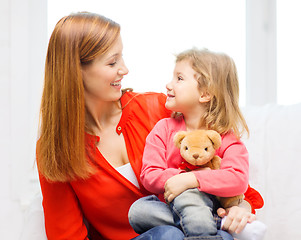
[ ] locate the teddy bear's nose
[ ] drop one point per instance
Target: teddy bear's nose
(196, 155)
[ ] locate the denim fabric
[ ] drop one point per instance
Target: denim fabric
(149, 212)
(192, 212)
(162, 233)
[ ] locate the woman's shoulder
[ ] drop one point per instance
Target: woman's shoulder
(144, 109)
(130, 96)
(150, 103)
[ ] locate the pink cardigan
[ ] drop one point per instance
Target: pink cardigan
(161, 160)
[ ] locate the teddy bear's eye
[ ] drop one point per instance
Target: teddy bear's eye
(186, 148)
(206, 149)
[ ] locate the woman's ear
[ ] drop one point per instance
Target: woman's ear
(205, 97)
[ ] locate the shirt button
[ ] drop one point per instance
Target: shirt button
(119, 128)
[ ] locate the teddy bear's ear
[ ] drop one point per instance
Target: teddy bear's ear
(215, 138)
(179, 137)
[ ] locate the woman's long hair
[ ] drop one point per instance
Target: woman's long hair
(76, 40)
(217, 74)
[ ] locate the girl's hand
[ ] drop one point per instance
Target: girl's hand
(237, 217)
(177, 184)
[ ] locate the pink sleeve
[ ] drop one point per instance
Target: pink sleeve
(155, 171)
(233, 176)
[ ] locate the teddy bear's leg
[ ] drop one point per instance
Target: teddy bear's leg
(192, 211)
(227, 202)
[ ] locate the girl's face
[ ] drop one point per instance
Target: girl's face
(183, 94)
(102, 78)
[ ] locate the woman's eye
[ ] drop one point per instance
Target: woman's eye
(206, 149)
(180, 78)
(112, 64)
(186, 148)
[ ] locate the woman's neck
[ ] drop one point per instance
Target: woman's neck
(102, 114)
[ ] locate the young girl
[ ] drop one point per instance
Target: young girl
(203, 94)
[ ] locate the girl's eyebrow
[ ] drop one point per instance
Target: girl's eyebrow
(180, 73)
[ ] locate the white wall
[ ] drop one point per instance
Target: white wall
(261, 79)
(23, 43)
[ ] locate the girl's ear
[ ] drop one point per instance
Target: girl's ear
(205, 97)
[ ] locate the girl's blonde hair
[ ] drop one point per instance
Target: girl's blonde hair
(76, 40)
(217, 74)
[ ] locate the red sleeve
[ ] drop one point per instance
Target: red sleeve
(254, 199)
(63, 216)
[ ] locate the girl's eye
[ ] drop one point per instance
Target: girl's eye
(206, 149)
(186, 148)
(180, 78)
(112, 64)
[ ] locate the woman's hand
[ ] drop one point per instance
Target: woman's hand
(177, 184)
(237, 217)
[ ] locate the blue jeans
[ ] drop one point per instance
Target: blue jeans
(164, 232)
(149, 212)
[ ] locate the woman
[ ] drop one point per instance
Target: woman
(92, 135)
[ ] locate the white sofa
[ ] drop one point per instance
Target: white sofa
(275, 162)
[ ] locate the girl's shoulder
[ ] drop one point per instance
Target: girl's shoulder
(229, 136)
(230, 139)
(171, 124)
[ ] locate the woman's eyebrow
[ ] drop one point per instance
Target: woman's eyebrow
(112, 56)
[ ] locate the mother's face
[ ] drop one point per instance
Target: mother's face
(102, 78)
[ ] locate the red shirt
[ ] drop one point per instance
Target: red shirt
(105, 198)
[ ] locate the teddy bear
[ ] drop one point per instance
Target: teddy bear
(197, 148)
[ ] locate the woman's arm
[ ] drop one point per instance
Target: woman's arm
(63, 216)
(238, 217)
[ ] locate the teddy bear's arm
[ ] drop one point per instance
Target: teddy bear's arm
(216, 162)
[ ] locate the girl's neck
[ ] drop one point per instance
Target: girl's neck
(193, 120)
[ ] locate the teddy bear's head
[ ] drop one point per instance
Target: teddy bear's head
(197, 147)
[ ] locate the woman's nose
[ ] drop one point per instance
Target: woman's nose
(123, 70)
(168, 87)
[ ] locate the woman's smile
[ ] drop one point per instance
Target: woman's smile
(116, 84)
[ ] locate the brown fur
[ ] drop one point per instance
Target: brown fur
(203, 143)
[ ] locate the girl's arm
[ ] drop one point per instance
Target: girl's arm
(233, 176)
(155, 169)
(177, 184)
